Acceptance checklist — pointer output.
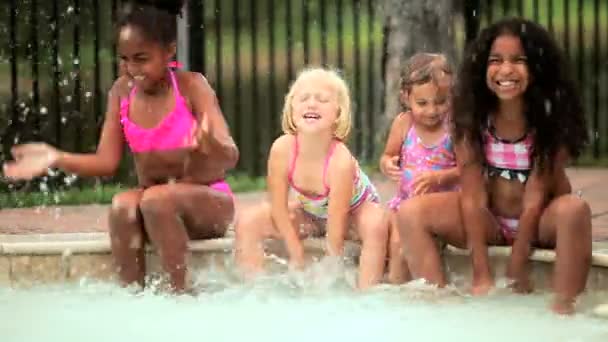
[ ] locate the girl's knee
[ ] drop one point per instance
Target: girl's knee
(574, 211)
(410, 215)
(154, 203)
(124, 209)
(375, 230)
(252, 219)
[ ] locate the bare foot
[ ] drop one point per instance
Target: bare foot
(563, 306)
(482, 287)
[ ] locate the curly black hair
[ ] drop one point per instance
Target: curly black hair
(155, 18)
(554, 109)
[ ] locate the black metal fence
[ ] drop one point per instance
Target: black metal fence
(581, 27)
(57, 61)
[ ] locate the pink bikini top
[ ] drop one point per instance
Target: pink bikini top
(172, 132)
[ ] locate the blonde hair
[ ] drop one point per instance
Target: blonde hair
(344, 121)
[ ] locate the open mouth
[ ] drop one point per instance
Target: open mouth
(507, 84)
(311, 117)
(139, 78)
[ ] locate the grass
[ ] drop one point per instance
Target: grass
(102, 194)
(240, 183)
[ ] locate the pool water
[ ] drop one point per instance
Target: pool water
(316, 305)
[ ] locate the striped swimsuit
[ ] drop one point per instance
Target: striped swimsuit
(317, 205)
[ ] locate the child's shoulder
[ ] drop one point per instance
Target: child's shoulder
(403, 119)
(401, 124)
(342, 158)
(282, 145)
(190, 81)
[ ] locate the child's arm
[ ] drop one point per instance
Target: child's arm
(389, 161)
(213, 135)
(475, 213)
(539, 187)
(278, 189)
(341, 175)
(534, 200)
(448, 177)
(34, 159)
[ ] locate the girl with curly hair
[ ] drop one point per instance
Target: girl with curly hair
(517, 121)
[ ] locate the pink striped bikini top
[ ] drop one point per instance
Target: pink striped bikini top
(172, 132)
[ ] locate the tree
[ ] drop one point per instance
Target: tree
(413, 26)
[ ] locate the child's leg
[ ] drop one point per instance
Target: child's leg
(371, 223)
(422, 219)
(127, 237)
(255, 225)
(174, 213)
(398, 271)
(566, 226)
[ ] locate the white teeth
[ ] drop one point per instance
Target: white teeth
(506, 83)
(139, 78)
(311, 116)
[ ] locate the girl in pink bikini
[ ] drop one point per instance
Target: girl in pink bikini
(331, 194)
(518, 119)
(419, 153)
(181, 144)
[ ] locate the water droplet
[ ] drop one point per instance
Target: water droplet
(43, 110)
(70, 179)
(87, 94)
(68, 98)
(70, 10)
(76, 61)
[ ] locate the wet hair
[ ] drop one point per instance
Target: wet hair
(155, 18)
(423, 68)
(553, 106)
(344, 121)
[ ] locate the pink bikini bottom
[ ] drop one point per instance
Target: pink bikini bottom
(222, 186)
(508, 228)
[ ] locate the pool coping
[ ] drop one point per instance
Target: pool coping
(99, 243)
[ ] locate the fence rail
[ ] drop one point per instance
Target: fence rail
(58, 60)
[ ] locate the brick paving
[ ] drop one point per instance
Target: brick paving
(592, 184)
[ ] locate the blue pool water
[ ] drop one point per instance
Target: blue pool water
(305, 307)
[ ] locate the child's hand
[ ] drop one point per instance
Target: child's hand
(31, 160)
(520, 283)
(517, 273)
(390, 168)
(296, 259)
(201, 135)
(424, 182)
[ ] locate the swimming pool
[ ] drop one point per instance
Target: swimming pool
(60, 300)
(306, 307)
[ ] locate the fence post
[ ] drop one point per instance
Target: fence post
(471, 16)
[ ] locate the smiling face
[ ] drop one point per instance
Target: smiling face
(145, 62)
(315, 107)
(507, 74)
(429, 103)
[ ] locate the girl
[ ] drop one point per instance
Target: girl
(419, 152)
(518, 119)
(330, 189)
(181, 144)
